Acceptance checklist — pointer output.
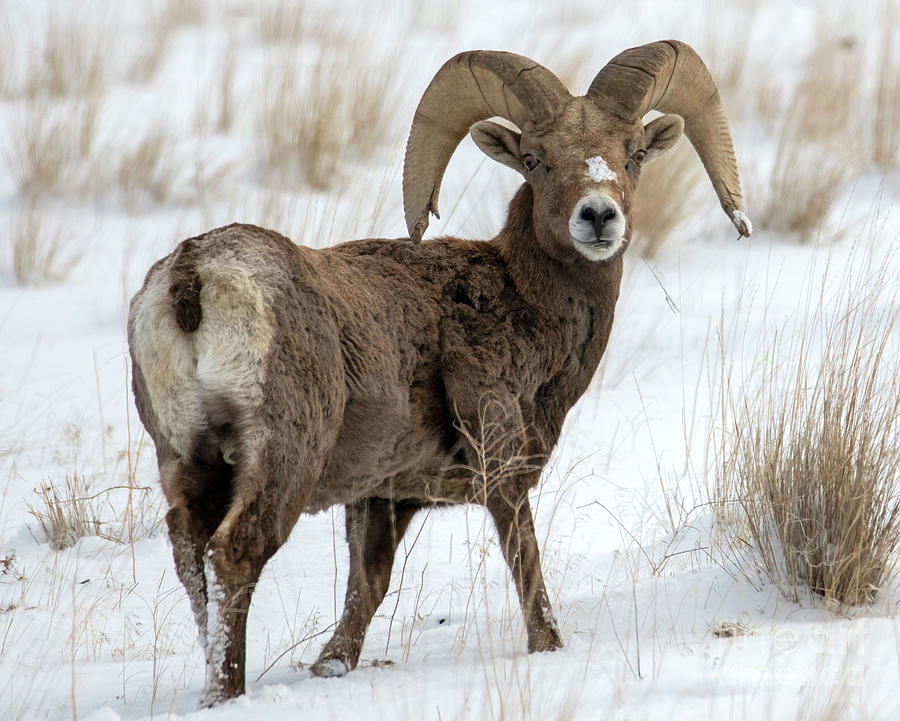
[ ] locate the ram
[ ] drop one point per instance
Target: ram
(277, 380)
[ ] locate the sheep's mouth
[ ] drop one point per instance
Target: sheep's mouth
(588, 237)
(601, 248)
(601, 243)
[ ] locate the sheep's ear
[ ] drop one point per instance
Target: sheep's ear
(498, 142)
(661, 134)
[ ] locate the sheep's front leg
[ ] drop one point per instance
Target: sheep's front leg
(507, 455)
(374, 529)
(520, 549)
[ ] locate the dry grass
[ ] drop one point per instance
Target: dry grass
(54, 151)
(284, 21)
(74, 59)
(66, 515)
(729, 628)
(664, 198)
(342, 121)
(41, 152)
(227, 100)
(165, 19)
(145, 174)
(178, 13)
(728, 31)
(300, 146)
(886, 131)
(809, 449)
(7, 59)
(50, 145)
(818, 142)
(39, 254)
(69, 513)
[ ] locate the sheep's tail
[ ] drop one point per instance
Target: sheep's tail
(185, 288)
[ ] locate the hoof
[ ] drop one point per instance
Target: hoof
(330, 668)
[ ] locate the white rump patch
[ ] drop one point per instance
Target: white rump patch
(598, 170)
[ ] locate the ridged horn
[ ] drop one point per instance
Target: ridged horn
(670, 77)
(469, 87)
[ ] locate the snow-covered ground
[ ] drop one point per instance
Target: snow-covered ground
(644, 594)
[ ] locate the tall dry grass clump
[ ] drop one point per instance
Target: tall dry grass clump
(38, 253)
(51, 145)
(164, 19)
(54, 151)
(145, 173)
(886, 130)
(818, 141)
(284, 21)
(74, 59)
(810, 447)
(301, 145)
(664, 198)
(311, 123)
(66, 514)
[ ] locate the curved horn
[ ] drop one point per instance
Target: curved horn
(471, 86)
(670, 77)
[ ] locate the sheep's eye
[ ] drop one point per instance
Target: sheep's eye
(639, 156)
(530, 161)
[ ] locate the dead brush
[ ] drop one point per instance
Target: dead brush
(164, 20)
(727, 35)
(74, 59)
(8, 80)
(818, 140)
(39, 254)
(284, 21)
(500, 450)
(300, 146)
(178, 13)
(50, 145)
(146, 172)
(810, 455)
(664, 198)
(886, 131)
(342, 120)
(69, 513)
(40, 155)
(66, 514)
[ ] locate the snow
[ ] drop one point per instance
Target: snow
(598, 170)
(103, 629)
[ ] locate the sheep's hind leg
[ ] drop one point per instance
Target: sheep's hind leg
(191, 523)
(520, 549)
(374, 529)
(233, 561)
(187, 547)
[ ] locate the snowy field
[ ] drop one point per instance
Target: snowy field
(128, 126)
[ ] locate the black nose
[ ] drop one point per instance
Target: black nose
(597, 218)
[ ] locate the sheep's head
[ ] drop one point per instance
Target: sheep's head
(582, 156)
(583, 168)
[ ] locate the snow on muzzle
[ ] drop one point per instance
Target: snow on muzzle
(597, 226)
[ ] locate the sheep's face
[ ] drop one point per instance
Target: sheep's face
(583, 169)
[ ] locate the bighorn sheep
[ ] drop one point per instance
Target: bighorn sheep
(277, 380)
